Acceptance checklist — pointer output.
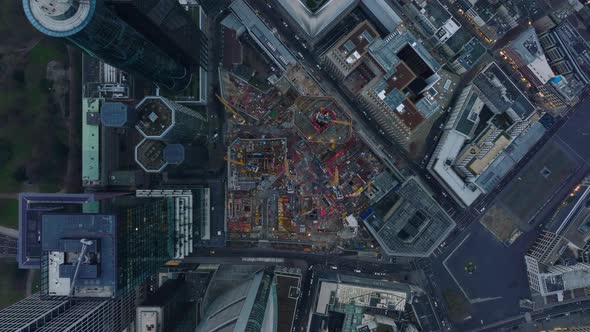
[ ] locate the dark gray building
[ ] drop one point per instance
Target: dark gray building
(155, 39)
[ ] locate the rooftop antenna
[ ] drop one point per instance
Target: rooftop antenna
(85, 244)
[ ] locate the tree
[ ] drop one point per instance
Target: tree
(6, 152)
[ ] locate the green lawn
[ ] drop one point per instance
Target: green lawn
(9, 213)
(12, 283)
(28, 113)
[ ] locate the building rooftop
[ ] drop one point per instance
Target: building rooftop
(90, 141)
(32, 206)
(61, 244)
(383, 14)
(314, 23)
(155, 117)
(452, 143)
(58, 18)
(149, 154)
(506, 160)
(116, 114)
(526, 51)
(408, 222)
(262, 35)
(501, 93)
(434, 19)
(386, 51)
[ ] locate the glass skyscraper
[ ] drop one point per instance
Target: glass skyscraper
(98, 30)
(95, 252)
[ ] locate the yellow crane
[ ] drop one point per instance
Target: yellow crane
(361, 189)
(233, 161)
(335, 178)
(346, 123)
(237, 116)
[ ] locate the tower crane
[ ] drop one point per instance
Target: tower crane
(237, 116)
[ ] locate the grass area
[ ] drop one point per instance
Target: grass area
(12, 283)
(499, 222)
(27, 111)
(458, 305)
(9, 213)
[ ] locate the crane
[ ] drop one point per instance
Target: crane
(237, 116)
(346, 123)
(85, 244)
(233, 161)
(335, 178)
(360, 190)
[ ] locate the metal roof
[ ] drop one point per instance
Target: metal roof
(90, 143)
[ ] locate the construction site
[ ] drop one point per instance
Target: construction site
(298, 174)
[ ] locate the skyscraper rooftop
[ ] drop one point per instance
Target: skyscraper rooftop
(149, 154)
(155, 117)
(62, 242)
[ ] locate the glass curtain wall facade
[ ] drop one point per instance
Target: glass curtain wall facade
(96, 29)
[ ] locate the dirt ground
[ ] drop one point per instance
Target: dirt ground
(499, 222)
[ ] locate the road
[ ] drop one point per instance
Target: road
(553, 312)
(364, 124)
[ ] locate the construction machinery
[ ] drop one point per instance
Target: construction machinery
(346, 123)
(233, 161)
(239, 119)
(360, 190)
(335, 177)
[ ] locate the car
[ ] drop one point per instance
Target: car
(357, 271)
(319, 67)
(334, 267)
(304, 46)
(212, 252)
(300, 55)
(268, 5)
(297, 37)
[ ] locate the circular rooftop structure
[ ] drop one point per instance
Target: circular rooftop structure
(59, 18)
(115, 114)
(174, 154)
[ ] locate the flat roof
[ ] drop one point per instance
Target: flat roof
(528, 51)
(501, 93)
(513, 153)
(90, 141)
(383, 13)
(263, 36)
(61, 235)
(449, 148)
(32, 207)
(408, 221)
